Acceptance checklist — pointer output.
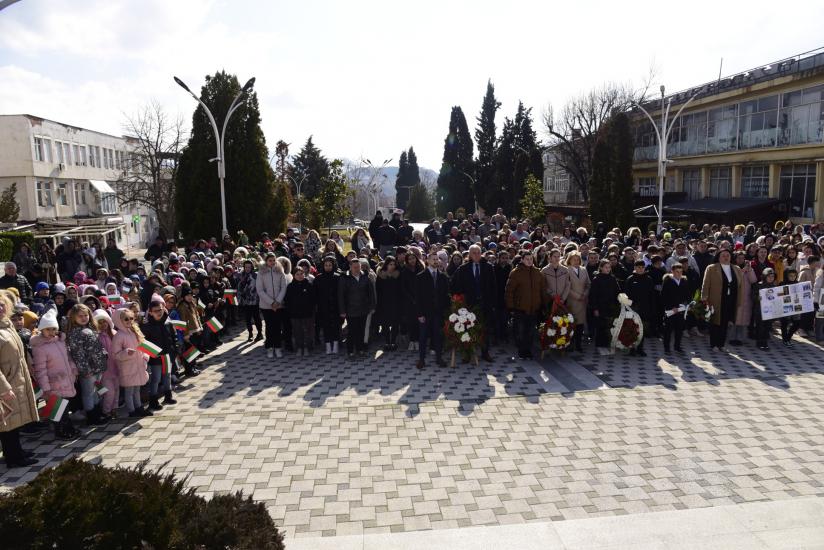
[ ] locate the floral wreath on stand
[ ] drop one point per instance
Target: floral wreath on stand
(700, 309)
(462, 330)
(627, 329)
(557, 330)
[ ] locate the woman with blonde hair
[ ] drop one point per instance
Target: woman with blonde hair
(578, 296)
(18, 405)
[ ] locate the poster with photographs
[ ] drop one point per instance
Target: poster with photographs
(786, 300)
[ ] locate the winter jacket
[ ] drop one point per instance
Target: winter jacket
(389, 296)
(603, 295)
(52, 368)
(743, 314)
(301, 299)
(14, 375)
(132, 366)
(578, 296)
(326, 290)
(408, 292)
(557, 281)
(21, 284)
(112, 370)
(674, 294)
(86, 351)
(525, 289)
(247, 289)
(711, 289)
(189, 313)
(162, 334)
(641, 290)
(356, 297)
(271, 285)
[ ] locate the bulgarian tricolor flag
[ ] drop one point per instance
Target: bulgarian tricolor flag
(54, 408)
(214, 325)
(150, 349)
(191, 354)
(179, 325)
(115, 299)
(200, 304)
(165, 363)
(230, 295)
(100, 389)
(38, 392)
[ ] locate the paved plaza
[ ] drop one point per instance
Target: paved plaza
(337, 448)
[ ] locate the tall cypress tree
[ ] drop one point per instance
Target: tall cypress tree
(454, 183)
(249, 180)
(310, 167)
(620, 136)
(600, 188)
(401, 182)
(504, 165)
(413, 172)
(485, 139)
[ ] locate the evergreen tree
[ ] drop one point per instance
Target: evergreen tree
(309, 169)
(485, 138)
(454, 183)
(330, 204)
(421, 206)
(622, 148)
(9, 207)
(505, 156)
(532, 204)
(401, 180)
(414, 172)
(600, 192)
(249, 177)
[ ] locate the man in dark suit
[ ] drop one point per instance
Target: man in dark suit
(432, 304)
(476, 281)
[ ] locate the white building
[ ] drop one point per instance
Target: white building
(66, 176)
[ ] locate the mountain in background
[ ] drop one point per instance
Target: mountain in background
(429, 178)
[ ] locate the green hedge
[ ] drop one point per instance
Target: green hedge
(6, 250)
(83, 505)
(17, 238)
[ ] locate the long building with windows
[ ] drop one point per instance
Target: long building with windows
(749, 146)
(66, 180)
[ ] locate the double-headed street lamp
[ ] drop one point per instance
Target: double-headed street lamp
(220, 138)
(663, 134)
(372, 187)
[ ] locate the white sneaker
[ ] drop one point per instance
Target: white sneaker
(328, 348)
(411, 346)
(335, 347)
(278, 353)
(270, 353)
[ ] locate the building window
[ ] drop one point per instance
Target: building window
(721, 128)
(108, 203)
(68, 153)
(691, 178)
(647, 187)
(58, 148)
(109, 159)
(83, 155)
(757, 122)
(39, 155)
(755, 181)
(801, 119)
(62, 198)
(76, 153)
(720, 182)
(47, 147)
(93, 156)
(79, 193)
(44, 194)
(798, 187)
(117, 160)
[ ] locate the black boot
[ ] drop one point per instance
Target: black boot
(154, 404)
(249, 339)
(94, 417)
(168, 399)
(191, 370)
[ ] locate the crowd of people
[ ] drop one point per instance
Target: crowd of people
(106, 333)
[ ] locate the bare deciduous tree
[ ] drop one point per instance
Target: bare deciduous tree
(573, 131)
(148, 176)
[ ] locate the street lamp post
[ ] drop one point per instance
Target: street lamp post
(474, 191)
(220, 139)
(371, 188)
(662, 134)
(298, 185)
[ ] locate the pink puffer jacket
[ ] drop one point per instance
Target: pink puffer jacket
(132, 366)
(53, 369)
(112, 371)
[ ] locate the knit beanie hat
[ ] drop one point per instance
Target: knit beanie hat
(49, 320)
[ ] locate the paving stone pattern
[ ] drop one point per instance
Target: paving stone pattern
(337, 448)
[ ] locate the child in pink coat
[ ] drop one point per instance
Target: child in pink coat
(54, 371)
(130, 361)
(111, 376)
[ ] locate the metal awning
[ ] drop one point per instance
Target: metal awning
(101, 186)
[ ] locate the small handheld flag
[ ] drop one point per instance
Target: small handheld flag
(100, 389)
(179, 325)
(230, 295)
(115, 299)
(200, 304)
(214, 325)
(165, 363)
(150, 349)
(191, 354)
(38, 392)
(54, 408)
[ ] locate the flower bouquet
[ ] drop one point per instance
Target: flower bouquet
(462, 329)
(700, 309)
(627, 329)
(556, 332)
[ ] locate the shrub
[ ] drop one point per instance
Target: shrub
(83, 505)
(17, 238)
(6, 250)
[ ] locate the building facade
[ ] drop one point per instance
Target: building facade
(753, 139)
(67, 175)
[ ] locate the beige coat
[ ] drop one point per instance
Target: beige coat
(557, 282)
(578, 294)
(711, 289)
(14, 375)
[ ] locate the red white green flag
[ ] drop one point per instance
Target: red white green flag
(115, 299)
(230, 295)
(214, 325)
(191, 354)
(100, 389)
(38, 392)
(150, 349)
(179, 325)
(200, 304)
(54, 408)
(165, 363)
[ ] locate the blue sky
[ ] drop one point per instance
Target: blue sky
(370, 78)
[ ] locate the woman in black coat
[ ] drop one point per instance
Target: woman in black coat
(603, 300)
(388, 287)
(328, 315)
(409, 270)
